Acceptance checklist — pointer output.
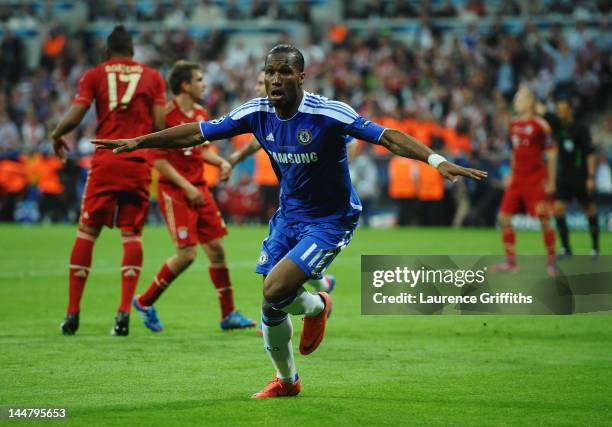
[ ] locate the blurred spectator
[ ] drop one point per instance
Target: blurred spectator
(302, 13)
(564, 61)
(146, 50)
(509, 7)
(603, 177)
(13, 183)
(25, 21)
(9, 133)
(578, 37)
(403, 188)
(376, 9)
(265, 178)
(486, 195)
(365, 181)
(431, 194)
(208, 13)
(12, 58)
(44, 171)
(130, 12)
(476, 7)
(258, 8)
(86, 42)
(603, 41)
(158, 12)
(275, 10)
(446, 10)
(404, 9)
(232, 10)
(53, 47)
(506, 78)
(565, 7)
(176, 17)
(242, 202)
(32, 131)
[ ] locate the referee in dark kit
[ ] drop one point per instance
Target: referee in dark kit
(576, 174)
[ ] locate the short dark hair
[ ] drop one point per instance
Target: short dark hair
(120, 41)
(290, 49)
(182, 71)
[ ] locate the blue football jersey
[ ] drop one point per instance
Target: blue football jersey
(308, 153)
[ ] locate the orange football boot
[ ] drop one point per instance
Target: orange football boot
(278, 388)
(314, 327)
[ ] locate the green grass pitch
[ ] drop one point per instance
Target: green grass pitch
(370, 370)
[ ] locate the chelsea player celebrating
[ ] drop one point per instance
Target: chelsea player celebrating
(303, 133)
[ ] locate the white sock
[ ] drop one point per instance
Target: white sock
(305, 303)
(319, 285)
(277, 343)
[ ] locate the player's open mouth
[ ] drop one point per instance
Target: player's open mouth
(276, 94)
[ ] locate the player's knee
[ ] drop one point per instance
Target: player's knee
(186, 256)
(505, 221)
(545, 222)
(215, 251)
(272, 290)
(86, 230)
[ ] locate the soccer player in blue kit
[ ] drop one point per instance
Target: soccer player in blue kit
(303, 134)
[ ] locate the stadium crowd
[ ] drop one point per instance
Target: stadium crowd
(449, 86)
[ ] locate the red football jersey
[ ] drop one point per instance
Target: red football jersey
(529, 141)
(124, 92)
(187, 161)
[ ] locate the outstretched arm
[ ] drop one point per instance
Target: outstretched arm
(181, 136)
(406, 146)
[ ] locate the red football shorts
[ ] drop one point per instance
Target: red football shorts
(520, 197)
(126, 210)
(190, 225)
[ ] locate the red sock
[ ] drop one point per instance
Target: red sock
(509, 239)
(549, 242)
(130, 270)
(160, 283)
(221, 280)
(80, 261)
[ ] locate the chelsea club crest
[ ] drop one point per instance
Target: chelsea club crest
(263, 258)
(304, 136)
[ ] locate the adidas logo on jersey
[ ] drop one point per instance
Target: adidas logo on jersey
(270, 137)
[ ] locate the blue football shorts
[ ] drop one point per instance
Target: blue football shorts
(311, 246)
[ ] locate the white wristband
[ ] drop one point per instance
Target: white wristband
(435, 160)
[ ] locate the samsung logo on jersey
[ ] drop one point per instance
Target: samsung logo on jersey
(295, 158)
